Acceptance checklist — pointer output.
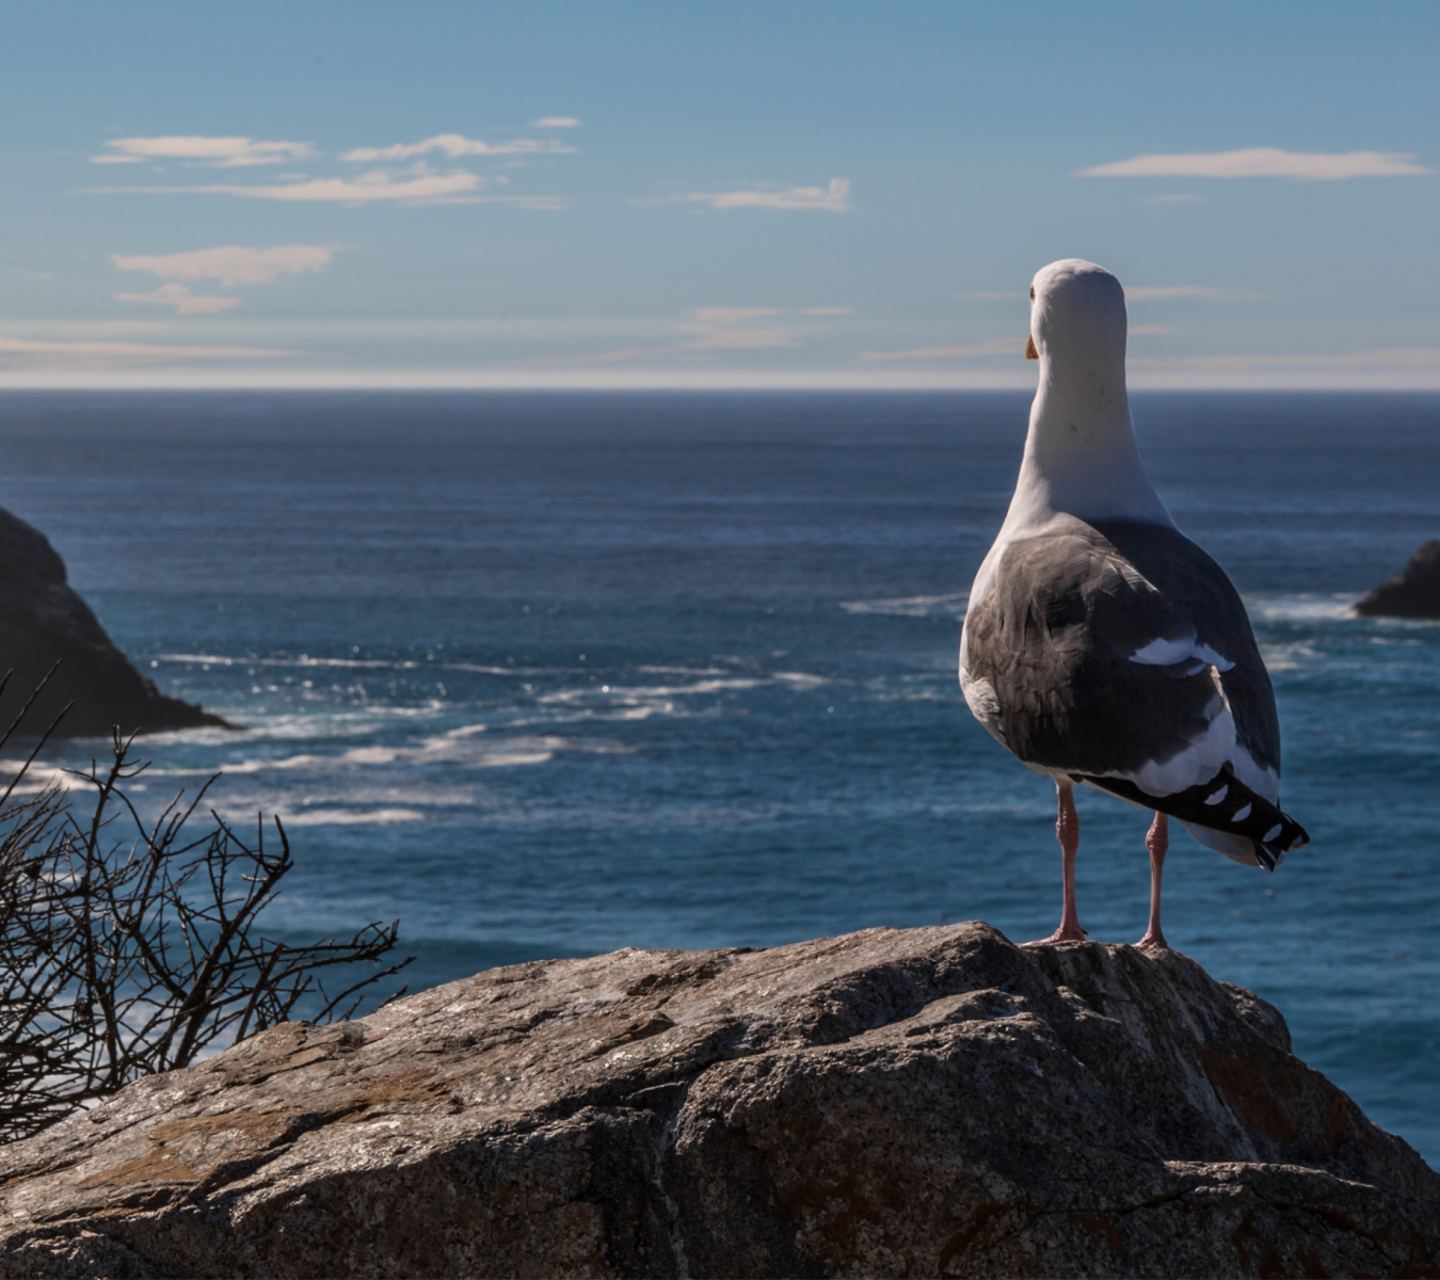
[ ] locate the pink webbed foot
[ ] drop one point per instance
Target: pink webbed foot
(1061, 934)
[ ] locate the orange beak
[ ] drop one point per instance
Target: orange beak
(1030, 352)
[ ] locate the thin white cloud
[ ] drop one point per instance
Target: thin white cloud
(1149, 330)
(1384, 358)
(723, 328)
(990, 347)
(415, 183)
(1133, 293)
(456, 145)
(30, 351)
(835, 198)
(219, 153)
(556, 122)
(378, 186)
(89, 328)
(611, 357)
(730, 315)
(184, 302)
(1174, 197)
(1151, 293)
(1263, 162)
(722, 338)
(231, 264)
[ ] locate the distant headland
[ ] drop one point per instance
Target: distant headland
(43, 621)
(1414, 592)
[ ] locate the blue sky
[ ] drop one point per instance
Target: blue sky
(793, 193)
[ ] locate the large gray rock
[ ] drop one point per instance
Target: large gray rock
(1414, 592)
(42, 622)
(890, 1103)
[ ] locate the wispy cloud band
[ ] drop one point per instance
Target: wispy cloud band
(1263, 162)
(230, 264)
(184, 302)
(1206, 293)
(417, 183)
(35, 351)
(990, 347)
(455, 187)
(835, 198)
(1383, 358)
(219, 153)
(456, 145)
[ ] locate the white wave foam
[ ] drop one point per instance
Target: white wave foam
(1288, 657)
(38, 774)
(463, 746)
(458, 748)
(412, 795)
(649, 693)
(681, 671)
(350, 817)
(951, 604)
(1302, 607)
(305, 660)
(659, 697)
(799, 679)
(240, 767)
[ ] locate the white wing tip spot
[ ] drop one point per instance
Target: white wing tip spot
(1218, 796)
(1272, 833)
(1240, 814)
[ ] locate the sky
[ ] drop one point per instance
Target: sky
(741, 194)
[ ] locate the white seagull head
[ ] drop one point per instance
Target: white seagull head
(1077, 320)
(1080, 453)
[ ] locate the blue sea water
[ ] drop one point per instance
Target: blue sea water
(551, 674)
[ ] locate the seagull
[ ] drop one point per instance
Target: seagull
(1102, 646)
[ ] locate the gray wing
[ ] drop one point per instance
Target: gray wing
(1074, 639)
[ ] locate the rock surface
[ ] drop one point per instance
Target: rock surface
(890, 1103)
(43, 621)
(1414, 592)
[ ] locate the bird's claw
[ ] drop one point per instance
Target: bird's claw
(1074, 934)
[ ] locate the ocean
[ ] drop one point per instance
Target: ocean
(546, 674)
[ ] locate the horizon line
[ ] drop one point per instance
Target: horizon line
(589, 379)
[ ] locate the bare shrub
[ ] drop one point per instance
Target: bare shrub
(130, 945)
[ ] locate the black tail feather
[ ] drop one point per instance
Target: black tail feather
(1222, 804)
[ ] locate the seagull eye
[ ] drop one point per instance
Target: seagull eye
(1032, 293)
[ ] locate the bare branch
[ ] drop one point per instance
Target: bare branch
(128, 947)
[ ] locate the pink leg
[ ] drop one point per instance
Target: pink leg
(1158, 841)
(1067, 831)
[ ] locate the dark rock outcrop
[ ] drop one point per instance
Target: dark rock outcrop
(42, 622)
(891, 1103)
(1414, 592)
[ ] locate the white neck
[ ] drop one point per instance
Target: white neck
(1080, 454)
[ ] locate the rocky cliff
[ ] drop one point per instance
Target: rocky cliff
(1414, 592)
(42, 622)
(892, 1103)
